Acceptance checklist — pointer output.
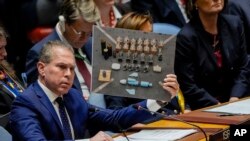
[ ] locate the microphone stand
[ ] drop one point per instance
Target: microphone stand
(138, 107)
(123, 131)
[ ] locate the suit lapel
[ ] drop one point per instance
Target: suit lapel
(87, 49)
(173, 5)
(204, 35)
(47, 104)
(226, 47)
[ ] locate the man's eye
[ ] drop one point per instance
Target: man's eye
(62, 66)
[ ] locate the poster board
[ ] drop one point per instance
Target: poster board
(131, 63)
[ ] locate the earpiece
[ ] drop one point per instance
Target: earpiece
(62, 22)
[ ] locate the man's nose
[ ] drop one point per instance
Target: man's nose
(4, 53)
(68, 72)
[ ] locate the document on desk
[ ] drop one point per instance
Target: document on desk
(158, 135)
(238, 108)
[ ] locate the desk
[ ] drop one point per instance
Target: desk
(209, 117)
(212, 124)
(166, 123)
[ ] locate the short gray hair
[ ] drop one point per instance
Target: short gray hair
(73, 9)
(46, 53)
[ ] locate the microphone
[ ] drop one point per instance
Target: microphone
(93, 108)
(138, 107)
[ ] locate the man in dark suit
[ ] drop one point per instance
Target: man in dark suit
(162, 11)
(241, 8)
(50, 109)
(74, 28)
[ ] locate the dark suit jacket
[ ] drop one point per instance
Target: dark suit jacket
(162, 11)
(33, 54)
(201, 81)
(241, 8)
(33, 116)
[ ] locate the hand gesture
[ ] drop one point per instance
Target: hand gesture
(170, 84)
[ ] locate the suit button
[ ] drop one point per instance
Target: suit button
(232, 68)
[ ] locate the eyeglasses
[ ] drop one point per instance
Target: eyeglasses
(81, 33)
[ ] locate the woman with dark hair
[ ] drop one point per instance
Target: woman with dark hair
(211, 59)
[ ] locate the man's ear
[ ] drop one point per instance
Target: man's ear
(40, 68)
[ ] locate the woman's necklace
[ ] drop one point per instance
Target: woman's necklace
(215, 41)
(112, 20)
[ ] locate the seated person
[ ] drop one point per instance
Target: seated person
(241, 8)
(50, 109)
(10, 85)
(137, 21)
(75, 28)
(163, 11)
(211, 59)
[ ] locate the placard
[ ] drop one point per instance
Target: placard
(131, 63)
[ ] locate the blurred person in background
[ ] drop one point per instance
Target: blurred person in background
(74, 28)
(241, 8)
(10, 86)
(163, 11)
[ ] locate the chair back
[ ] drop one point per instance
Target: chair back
(97, 100)
(4, 119)
(38, 33)
(165, 28)
(5, 135)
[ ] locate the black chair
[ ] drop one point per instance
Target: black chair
(4, 119)
(5, 135)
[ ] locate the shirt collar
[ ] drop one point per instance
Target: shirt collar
(52, 96)
(60, 34)
(117, 13)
